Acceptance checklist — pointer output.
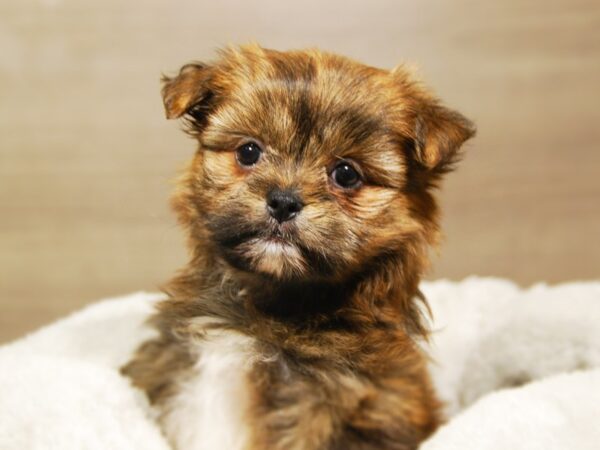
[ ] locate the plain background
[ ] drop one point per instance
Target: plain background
(86, 157)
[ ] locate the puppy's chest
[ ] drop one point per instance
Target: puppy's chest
(220, 405)
(210, 409)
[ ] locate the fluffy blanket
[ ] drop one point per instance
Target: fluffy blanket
(518, 369)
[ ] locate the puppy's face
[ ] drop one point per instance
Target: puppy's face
(309, 165)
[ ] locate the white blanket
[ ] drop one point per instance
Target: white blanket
(518, 369)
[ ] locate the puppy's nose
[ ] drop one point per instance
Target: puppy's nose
(283, 205)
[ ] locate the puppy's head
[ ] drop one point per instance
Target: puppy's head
(310, 166)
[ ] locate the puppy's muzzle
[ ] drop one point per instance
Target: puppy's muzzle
(283, 205)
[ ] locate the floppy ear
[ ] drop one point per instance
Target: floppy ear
(439, 133)
(188, 92)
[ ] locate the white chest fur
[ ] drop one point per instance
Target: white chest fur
(208, 412)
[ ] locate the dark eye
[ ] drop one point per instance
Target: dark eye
(248, 154)
(345, 175)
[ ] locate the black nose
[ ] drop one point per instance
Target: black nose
(283, 205)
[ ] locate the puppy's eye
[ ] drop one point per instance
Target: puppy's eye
(346, 176)
(248, 154)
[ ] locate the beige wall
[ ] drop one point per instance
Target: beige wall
(86, 156)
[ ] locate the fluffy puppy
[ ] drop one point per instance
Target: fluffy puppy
(309, 210)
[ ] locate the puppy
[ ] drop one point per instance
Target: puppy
(309, 211)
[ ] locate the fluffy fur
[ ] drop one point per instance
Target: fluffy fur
(207, 411)
(327, 304)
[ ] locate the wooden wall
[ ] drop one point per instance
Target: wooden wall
(86, 157)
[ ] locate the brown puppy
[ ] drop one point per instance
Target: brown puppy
(309, 212)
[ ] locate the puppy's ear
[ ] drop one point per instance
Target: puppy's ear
(439, 133)
(188, 92)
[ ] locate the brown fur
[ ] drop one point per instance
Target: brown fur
(335, 325)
